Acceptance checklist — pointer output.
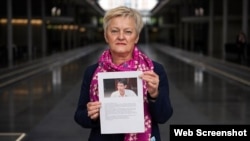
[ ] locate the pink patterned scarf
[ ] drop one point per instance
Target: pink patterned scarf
(139, 62)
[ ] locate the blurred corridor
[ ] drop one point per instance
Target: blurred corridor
(203, 91)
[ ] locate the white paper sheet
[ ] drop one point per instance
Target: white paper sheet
(121, 114)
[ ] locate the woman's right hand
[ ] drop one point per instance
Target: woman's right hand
(93, 109)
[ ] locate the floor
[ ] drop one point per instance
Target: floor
(203, 90)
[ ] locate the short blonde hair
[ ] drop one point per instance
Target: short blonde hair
(123, 11)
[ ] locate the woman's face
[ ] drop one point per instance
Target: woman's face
(121, 35)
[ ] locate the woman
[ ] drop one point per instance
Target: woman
(122, 27)
(241, 44)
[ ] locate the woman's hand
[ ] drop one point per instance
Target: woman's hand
(152, 80)
(93, 109)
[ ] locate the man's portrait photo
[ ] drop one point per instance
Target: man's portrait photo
(120, 87)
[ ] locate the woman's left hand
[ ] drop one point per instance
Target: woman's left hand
(152, 80)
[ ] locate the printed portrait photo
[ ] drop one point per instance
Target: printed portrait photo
(120, 87)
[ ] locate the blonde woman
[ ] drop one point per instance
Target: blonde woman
(122, 27)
